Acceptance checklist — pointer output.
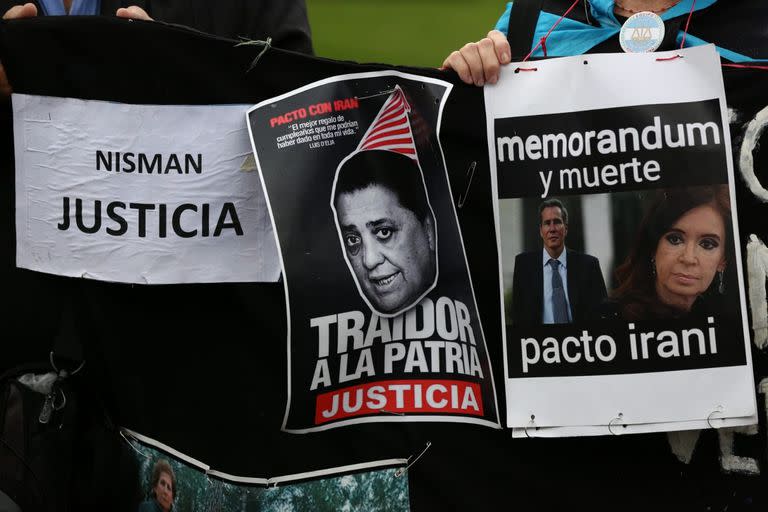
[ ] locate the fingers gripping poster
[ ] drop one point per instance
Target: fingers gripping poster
(621, 277)
(383, 324)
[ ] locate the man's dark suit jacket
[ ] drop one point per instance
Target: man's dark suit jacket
(586, 287)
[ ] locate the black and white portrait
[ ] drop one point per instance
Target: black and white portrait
(387, 229)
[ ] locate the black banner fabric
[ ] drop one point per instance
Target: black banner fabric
(183, 363)
(202, 367)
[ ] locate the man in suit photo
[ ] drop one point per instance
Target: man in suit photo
(555, 285)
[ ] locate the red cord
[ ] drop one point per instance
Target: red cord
(746, 66)
(543, 40)
(687, 23)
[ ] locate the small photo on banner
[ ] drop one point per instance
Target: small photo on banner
(168, 480)
(383, 323)
(621, 273)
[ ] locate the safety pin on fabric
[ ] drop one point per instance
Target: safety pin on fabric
(382, 93)
(718, 410)
(531, 424)
(619, 418)
(63, 372)
(400, 472)
(471, 174)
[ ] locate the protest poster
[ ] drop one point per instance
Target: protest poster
(383, 323)
(625, 179)
(235, 377)
(146, 194)
(171, 480)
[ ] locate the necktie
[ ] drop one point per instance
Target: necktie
(559, 306)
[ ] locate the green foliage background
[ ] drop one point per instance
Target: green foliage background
(402, 32)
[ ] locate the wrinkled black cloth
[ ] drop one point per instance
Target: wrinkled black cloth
(284, 21)
(202, 368)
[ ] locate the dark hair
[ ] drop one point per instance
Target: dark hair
(636, 287)
(397, 172)
(163, 466)
(551, 203)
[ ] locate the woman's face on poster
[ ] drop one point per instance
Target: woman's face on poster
(689, 255)
(390, 250)
(164, 491)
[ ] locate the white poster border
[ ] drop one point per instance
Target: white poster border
(631, 88)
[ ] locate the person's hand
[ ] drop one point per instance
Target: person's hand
(15, 12)
(20, 11)
(133, 12)
(479, 63)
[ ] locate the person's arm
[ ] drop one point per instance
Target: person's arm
(14, 13)
(285, 21)
(479, 63)
(288, 25)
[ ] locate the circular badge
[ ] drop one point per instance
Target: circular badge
(642, 32)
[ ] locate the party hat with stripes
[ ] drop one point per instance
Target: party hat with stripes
(391, 129)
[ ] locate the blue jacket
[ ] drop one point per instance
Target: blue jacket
(741, 40)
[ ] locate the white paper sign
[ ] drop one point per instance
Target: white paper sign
(148, 194)
(641, 320)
